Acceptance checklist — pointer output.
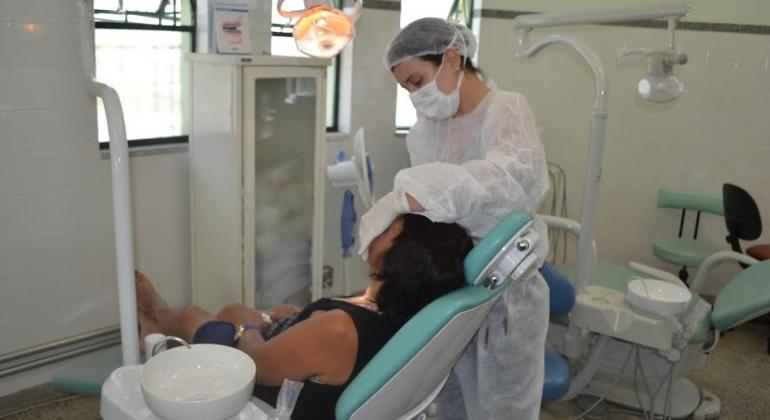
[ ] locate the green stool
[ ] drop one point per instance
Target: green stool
(682, 251)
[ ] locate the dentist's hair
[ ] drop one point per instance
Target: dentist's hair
(424, 262)
(467, 63)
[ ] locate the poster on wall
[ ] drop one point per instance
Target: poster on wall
(232, 29)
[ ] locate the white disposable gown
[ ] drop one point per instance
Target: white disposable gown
(476, 169)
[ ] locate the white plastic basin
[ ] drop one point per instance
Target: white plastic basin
(657, 297)
(203, 382)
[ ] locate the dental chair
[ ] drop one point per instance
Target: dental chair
(602, 329)
(407, 374)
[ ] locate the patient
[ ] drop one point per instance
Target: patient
(328, 343)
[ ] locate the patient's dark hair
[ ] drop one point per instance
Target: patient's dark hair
(424, 262)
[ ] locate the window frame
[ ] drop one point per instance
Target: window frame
(190, 29)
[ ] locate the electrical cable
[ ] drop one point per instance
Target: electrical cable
(665, 379)
(644, 377)
(669, 402)
(636, 388)
(558, 207)
(615, 382)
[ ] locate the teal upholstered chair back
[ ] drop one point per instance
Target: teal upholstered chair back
(407, 373)
(683, 250)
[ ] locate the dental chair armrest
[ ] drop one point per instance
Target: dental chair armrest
(561, 223)
(568, 225)
(713, 260)
(656, 273)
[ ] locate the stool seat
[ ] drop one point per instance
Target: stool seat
(557, 376)
(760, 252)
(683, 251)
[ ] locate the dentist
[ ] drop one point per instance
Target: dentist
(476, 156)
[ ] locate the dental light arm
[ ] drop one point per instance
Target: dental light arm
(665, 11)
(523, 25)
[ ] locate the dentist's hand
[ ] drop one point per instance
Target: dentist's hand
(378, 218)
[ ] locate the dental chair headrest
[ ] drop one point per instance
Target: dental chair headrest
(486, 250)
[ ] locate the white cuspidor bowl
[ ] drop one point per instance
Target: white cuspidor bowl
(664, 299)
(203, 382)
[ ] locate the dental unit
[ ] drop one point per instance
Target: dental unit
(665, 332)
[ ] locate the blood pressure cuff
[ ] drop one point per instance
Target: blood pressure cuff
(216, 332)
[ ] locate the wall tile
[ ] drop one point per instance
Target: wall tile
(27, 214)
(28, 255)
(50, 171)
(43, 87)
(57, 267)
(40, 11)
(43, 44)
(65, 302)
(47, 129)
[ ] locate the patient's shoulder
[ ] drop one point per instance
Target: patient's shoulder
(335, 325)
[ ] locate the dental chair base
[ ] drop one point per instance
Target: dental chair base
(122, 399)
(605, 311)
(685, 398)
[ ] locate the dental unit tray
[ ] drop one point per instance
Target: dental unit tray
(606, 311)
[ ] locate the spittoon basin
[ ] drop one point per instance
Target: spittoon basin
(203, 382)
(657, 297)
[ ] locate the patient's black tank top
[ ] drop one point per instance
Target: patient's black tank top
(317, 401)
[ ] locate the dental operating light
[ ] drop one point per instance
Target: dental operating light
(321, 29)
(658, 86)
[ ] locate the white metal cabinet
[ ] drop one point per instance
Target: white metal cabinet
(256, 179)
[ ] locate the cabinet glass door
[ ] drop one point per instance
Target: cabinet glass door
(284, 136)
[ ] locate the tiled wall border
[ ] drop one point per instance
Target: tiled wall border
(683, 25)
(382, 5)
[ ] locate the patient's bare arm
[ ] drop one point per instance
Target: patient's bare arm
(239, 314)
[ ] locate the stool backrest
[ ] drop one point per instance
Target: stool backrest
(690, 201)
(741, 216)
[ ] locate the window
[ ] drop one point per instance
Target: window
(282, 43)
(411, 10)
(140, 47)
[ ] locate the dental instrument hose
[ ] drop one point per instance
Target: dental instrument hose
(609, 389)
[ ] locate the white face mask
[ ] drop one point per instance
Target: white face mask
(434, 104)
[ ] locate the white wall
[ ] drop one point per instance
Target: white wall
(717, 132)
(370, 103)
(57, 269)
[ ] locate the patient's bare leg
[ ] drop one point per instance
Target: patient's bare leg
(180, 322)
(147, 326)
(147, 299)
